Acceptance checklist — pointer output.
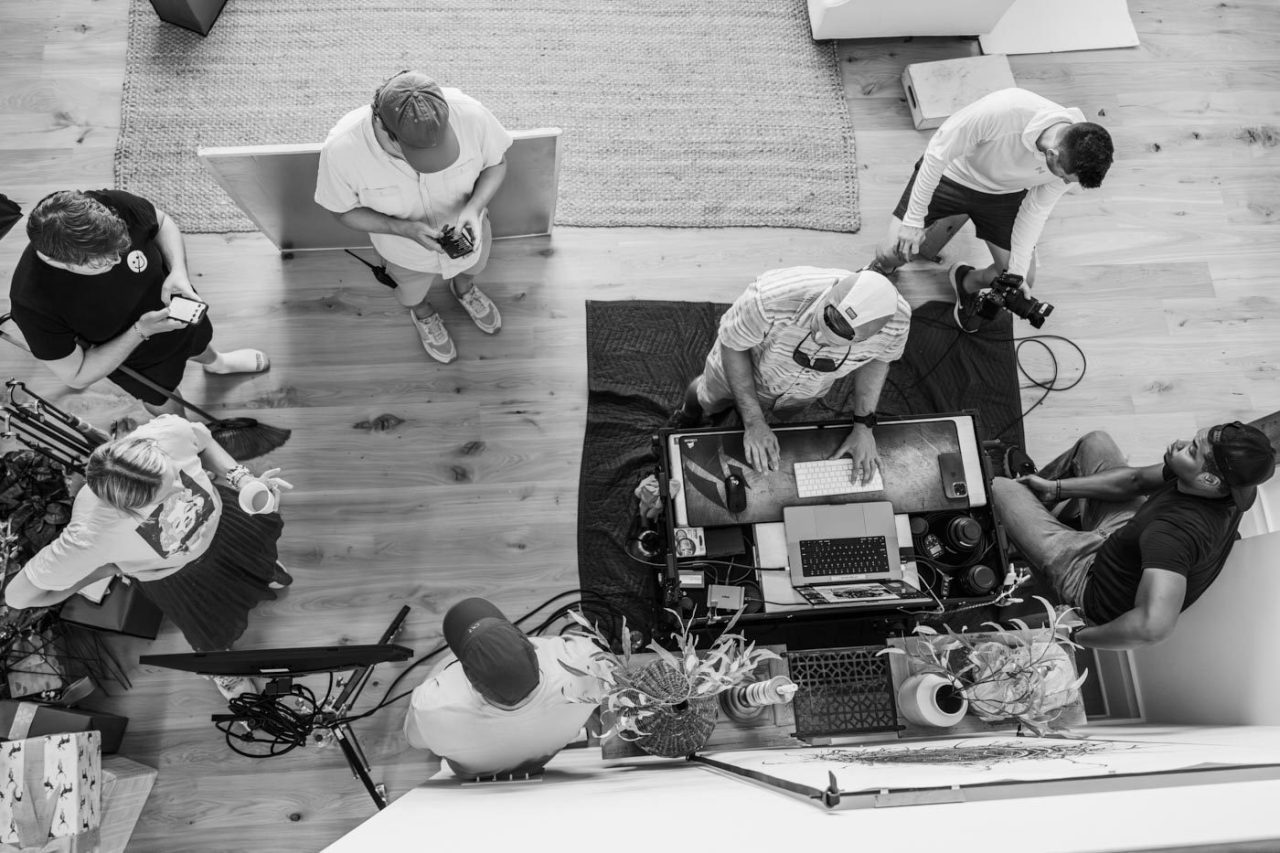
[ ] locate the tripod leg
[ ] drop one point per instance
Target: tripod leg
(359, 766)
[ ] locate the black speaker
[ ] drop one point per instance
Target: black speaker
(979, 579)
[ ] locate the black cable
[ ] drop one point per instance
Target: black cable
(1049, 387)
(282, 728)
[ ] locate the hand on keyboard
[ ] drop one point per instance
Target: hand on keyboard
(860, 446)
(832, 477)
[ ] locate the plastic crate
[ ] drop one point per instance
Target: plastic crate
(842, 691)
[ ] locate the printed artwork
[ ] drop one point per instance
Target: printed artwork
(178, 521)
(981, 760)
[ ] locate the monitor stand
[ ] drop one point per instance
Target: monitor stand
(327, 722)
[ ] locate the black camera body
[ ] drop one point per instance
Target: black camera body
(1006, 292)
(456, 242)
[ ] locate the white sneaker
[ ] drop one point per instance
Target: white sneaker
(435, 337)
(231, 686)
(480, 308)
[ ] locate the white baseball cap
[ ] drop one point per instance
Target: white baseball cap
(863, 298)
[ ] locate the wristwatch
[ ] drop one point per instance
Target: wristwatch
(868, 421)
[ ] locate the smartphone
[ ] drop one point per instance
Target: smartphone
(951, 469)
(189, 311)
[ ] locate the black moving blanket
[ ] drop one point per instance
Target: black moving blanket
(642, 354)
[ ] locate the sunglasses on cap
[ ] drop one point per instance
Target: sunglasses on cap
(821, 364)
(837, 323)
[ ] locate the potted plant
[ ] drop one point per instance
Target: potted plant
(668, 706)
(1024, 675)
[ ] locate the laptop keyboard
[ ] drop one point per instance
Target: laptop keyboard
(832, 477)
(858, 555)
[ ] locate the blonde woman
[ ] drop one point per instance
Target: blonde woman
(151, 510)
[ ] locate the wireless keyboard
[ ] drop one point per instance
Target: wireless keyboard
(832, 477)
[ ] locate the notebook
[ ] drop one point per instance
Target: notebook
(841, 543)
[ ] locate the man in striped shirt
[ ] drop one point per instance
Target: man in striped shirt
(786, 340)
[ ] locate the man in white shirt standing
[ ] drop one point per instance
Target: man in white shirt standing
(501, 703)
(413, 168)
(1004, 161)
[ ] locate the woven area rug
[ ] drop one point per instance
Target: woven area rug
(676, 113)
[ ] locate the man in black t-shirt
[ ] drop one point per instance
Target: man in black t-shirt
(91, 293)
(1150, 540)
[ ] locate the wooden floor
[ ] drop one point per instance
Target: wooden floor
(1165, 278)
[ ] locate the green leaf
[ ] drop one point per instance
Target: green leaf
(923, 629)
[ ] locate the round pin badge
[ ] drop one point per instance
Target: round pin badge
(137, 261)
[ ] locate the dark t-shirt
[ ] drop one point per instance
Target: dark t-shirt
(53, 307)
(1182, 533)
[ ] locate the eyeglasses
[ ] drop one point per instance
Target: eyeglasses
(821, 364)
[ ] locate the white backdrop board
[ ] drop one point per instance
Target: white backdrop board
(275, 186)
(640, 808)
(1048, 26)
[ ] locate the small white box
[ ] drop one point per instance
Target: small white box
(935, 90)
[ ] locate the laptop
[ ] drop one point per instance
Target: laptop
(841, 543)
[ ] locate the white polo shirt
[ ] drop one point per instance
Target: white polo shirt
(355, 171)
(990, 146)
(448, 717)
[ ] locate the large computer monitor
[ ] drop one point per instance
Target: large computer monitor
(278, 663)
(912, 458)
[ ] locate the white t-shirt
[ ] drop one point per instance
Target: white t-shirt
(156, 540)
(448, 717)
(355, 171)
(990, 146)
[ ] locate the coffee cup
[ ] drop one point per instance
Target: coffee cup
(257, 498)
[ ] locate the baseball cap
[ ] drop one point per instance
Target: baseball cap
(861, 299)
(413, 109)
(497, 657)
(1243, 454)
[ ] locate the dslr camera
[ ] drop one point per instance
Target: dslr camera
(1006, 292)
(457, 242)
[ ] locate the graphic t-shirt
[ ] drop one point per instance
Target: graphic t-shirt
(1174, 531)
(53, 307)
(150, 543)
(448, 716)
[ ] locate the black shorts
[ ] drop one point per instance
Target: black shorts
(167, 373)
(993, 214)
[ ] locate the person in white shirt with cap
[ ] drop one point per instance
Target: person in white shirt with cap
(1003, 161)
(417, 161)
(786, 340)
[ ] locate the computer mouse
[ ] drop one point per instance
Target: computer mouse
(735, 493)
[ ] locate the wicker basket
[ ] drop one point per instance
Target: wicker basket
(674, 731)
